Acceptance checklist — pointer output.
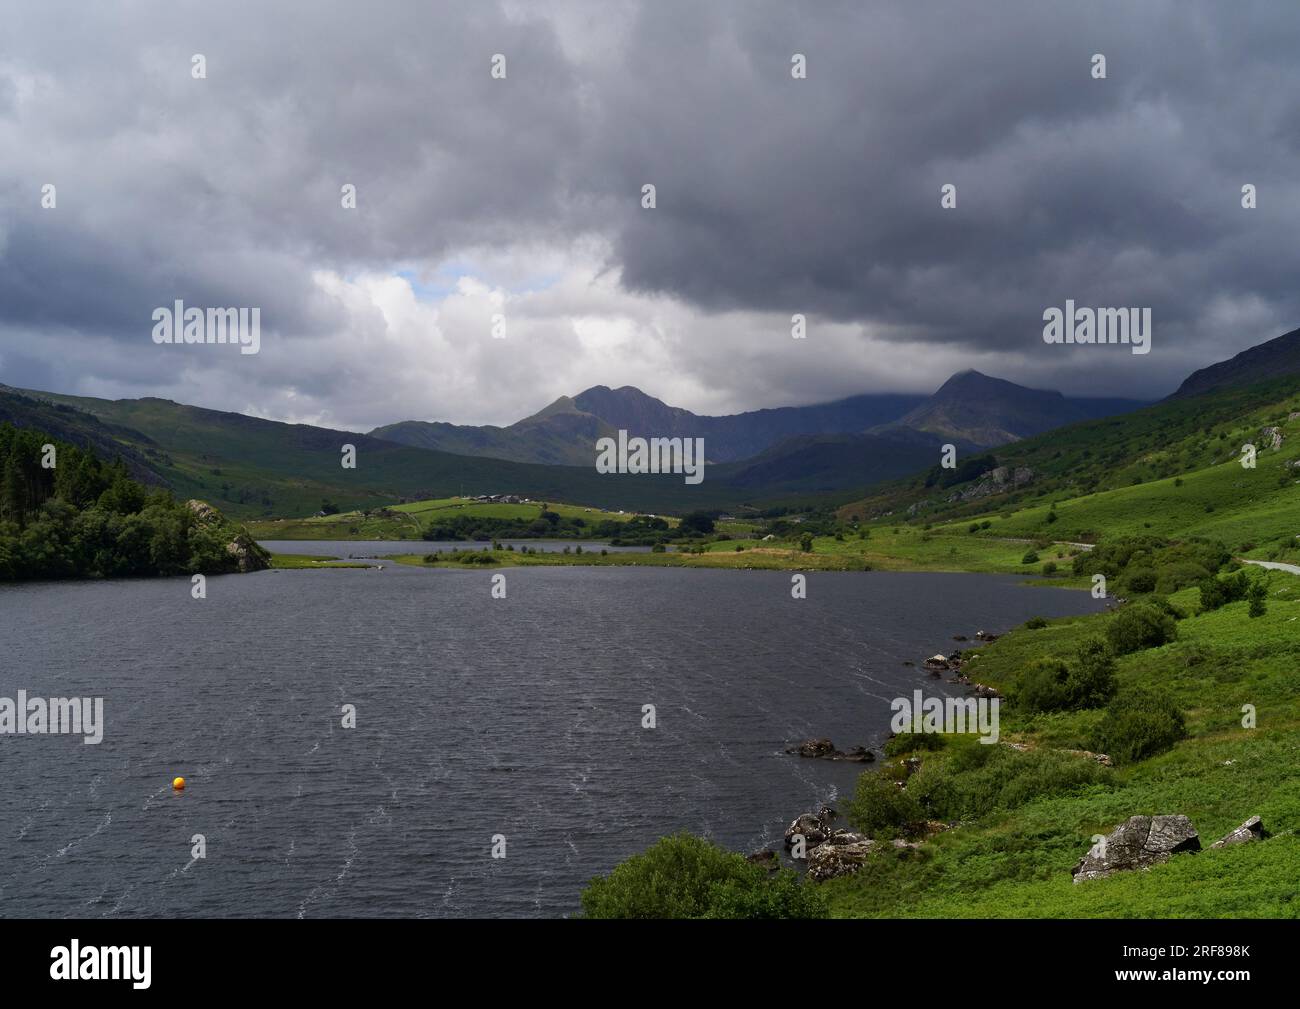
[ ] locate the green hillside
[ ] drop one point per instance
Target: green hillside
(1170, 469)
(252, 467)
(416, 518)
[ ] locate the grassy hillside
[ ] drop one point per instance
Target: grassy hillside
(1147, 450)
(252, 467)
(1015, 861)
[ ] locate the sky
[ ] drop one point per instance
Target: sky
(520, 197)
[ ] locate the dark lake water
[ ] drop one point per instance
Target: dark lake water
(475, 717)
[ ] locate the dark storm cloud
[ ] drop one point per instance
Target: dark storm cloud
(818, 196)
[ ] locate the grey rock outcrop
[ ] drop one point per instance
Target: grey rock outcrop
(1138, 843)
(830, 860)
(813, 827)
(1251, 830)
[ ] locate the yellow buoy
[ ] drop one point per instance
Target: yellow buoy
(178, 784)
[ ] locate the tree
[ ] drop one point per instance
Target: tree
(1258, 596)
(697, 522)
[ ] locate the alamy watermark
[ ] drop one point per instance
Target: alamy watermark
(1100, 325)
(179, 324)
(38, 716)
(652, 455)
(949, 715)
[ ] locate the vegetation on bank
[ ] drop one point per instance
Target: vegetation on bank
(1196, 703)
(689, 877)
(65, 513)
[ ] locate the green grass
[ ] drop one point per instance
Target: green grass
(408, 521)
(1017, 862)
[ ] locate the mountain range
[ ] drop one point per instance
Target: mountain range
(971, 409)
(787, 455)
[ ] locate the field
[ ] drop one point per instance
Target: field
(409, 521)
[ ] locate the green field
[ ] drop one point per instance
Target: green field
(409, 521)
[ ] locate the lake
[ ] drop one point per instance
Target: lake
(475, 717)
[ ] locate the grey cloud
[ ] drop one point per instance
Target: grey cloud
(774, 196)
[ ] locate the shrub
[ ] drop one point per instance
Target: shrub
(1141, 581)
(1092, 677)
(1088, 681)
(1049, 569)
(688, 877)
(1218, 592)
(806, 543)
(1139, 723)
(979, 779)
(1258, 596)
(909, 742)
(882, 809)
(1029, 558)
(1036, 623)
(1141, 626)
(1041, 686)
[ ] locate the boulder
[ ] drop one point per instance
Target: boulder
(1138, 843)
(937, 662)
(985, 636)
(831, 860)
(1271, 437)
(824, 749)
(813, 748)
(1251, 830)
(815, 827)
(248, 555)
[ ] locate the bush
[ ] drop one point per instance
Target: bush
(1088, 681)
(1049, 569)
(688, 877)
(1041, 686)
(1258, 596)
(1139, 723)
(978, 779)
(806, 543)
(881, 809)
(1140, 626)
(1092, 677)
(1218, 592)
(910, 742)
(1141, 581)
(1036, 623)
(1029, 558)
